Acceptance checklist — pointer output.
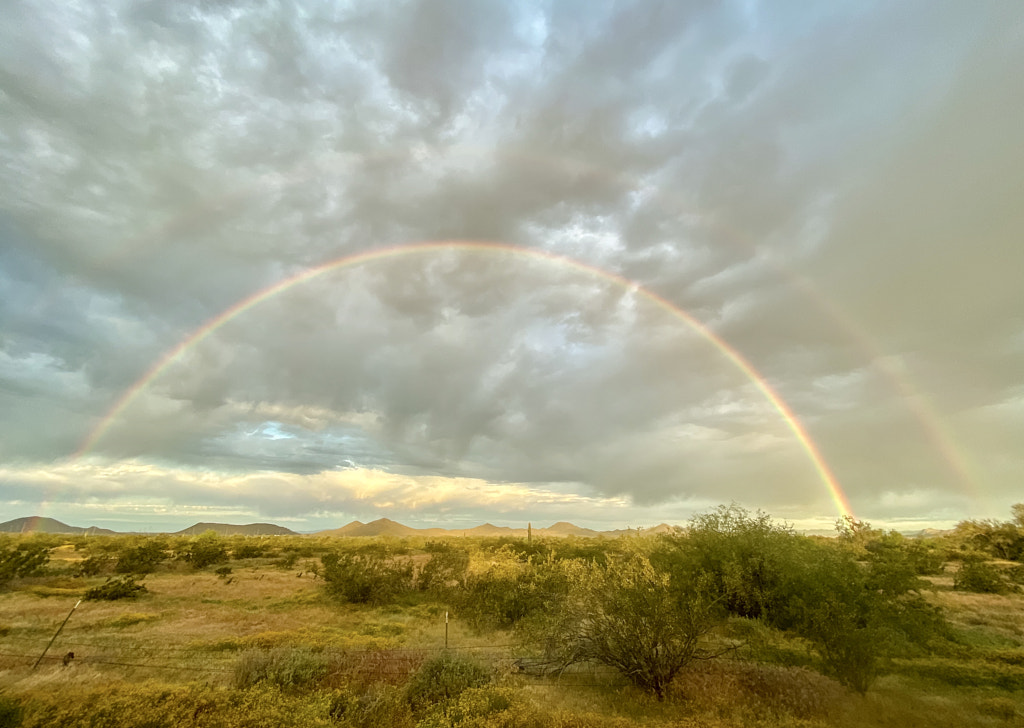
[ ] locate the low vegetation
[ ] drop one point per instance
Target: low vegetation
(125, 587)
(735, 620)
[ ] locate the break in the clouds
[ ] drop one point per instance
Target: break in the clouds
(832, 191)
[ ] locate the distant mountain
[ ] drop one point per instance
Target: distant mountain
(659, 529)
(228, 529)
(489, 529)
(41, 524)
(931, 532)
(381, 527)
(562, 529)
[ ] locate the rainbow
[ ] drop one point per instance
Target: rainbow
(939, 435)
(426, 248)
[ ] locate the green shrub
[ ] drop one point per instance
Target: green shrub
(381, 705)
(287, 560)
(94, 565)
(284, 667)
(855, 617)
(508, 592)
(366, 578)
(628, 616)
(442, 679)
(248, 550)
(142, 559)
(124, 587)
(23, 559)
(981, 577)
(204, 550)
(743, 558)
(447, 567)
(473, 707)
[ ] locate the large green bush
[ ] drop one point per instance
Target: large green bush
(509, 591)
(141, 559)
(443, 679)
(855, 620)
(630, 616)
(204, 550)
(856, 598)
(369, 578)
(983, 577)
(741, 557)
(446, 569)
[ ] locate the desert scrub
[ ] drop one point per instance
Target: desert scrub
(442, 679)
(204, 550)
(141, 559)
(366, 578)
(158, 705)
(380, 705)
(18, 559)
(95, 565)
(284, 667)
(981, 577)
(474, 707)
(124, 587)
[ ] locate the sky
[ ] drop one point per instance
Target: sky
(453, 262)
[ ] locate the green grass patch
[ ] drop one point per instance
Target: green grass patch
(963, 673)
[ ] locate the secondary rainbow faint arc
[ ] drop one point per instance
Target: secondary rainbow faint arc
(737, 359)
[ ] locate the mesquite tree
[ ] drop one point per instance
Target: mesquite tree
(627, 615)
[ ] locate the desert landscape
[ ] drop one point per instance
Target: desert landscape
(732, 619)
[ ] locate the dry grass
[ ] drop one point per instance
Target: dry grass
(998, 615)
(726, 687)
(192, 628)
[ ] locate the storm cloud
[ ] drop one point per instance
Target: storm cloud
(830, 191)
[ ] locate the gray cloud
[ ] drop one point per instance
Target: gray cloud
(831, 192)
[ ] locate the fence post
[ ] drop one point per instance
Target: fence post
(52, 639)
(446, 630)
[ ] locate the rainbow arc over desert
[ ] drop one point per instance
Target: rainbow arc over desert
(426, 248)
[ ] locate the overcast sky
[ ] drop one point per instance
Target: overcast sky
(830, 192)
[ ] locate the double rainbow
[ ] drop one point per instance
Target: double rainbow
(427, 248)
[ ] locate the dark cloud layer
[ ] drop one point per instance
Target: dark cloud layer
(831, 190)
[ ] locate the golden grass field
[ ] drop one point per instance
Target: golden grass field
(171, 657)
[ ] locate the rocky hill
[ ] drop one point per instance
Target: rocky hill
(42, 524)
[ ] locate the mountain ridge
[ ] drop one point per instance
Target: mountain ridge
(355, 529)
(43, 524)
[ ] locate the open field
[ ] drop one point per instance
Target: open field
(264, 643)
